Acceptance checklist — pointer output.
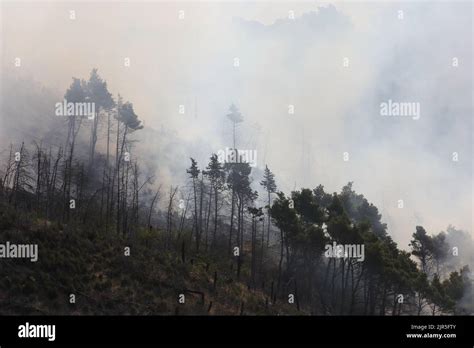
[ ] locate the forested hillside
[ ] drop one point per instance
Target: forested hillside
(114, 239)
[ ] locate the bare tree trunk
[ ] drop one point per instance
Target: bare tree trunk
(38, 177)
(215, 215)
(269, 220)
(72, 135)
(254, 250)
(183, 217)
(94, 128)
(117, 169)
(281, 261)
(125, 199)
(209, 203)
(201, 196)
(232, 212)
(169, 221)
(196, 214)
(152, 204)
(107, 168)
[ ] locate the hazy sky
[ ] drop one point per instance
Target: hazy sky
(282, 62)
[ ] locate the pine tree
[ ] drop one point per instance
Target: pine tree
(269, 185)
(193, 172)
(216, 175)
